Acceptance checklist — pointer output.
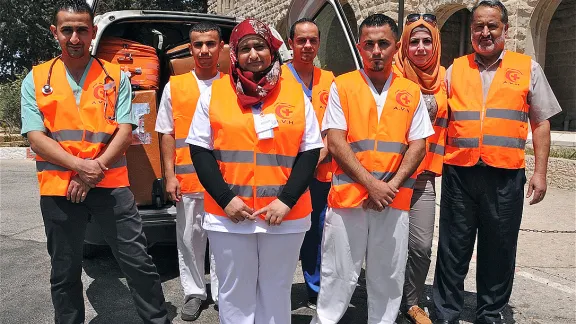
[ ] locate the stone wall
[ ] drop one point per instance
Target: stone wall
(533, 30)
(560, 65)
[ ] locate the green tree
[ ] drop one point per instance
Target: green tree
(10, 104)
(25, 38)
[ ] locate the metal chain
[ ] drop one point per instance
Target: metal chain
(547, 231)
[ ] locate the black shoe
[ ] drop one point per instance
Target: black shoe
(191, 309)
(439, 321)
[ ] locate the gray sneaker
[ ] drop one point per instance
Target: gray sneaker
(191, 309)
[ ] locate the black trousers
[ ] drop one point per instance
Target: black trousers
(116, 213)
(485, 201)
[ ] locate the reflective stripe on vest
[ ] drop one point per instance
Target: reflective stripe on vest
(184, 93)
(257, 170)
(493, 129)
(81, 129)
(322, 80)
(379, 143)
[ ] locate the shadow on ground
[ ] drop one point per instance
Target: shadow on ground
(110, 297)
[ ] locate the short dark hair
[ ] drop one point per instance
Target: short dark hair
(377, 20)
(206, 26)
(492, 4)
(301, 21)
(78, 6)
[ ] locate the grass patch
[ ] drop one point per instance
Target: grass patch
(557, 152)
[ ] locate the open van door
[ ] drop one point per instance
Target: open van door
(337, 51)
(92, 4)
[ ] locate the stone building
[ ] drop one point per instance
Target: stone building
(544, 29)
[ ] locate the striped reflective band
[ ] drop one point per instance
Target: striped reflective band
(362, 146)
(78, 136)
(261, 191)
(100, 137)
(507, 114)
(47, 166)
(384, 147)
(185, 169)
(262, 159)
(391, 147)
(442, 122)
(503, 141)
(234, 156)
(120, 163)
(181, 142)
(465, 115)
(275, 160)
(436, 149)
(344, 179)
(463, 142)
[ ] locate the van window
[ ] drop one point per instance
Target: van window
(334, 54)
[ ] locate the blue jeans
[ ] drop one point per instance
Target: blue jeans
(310, 252)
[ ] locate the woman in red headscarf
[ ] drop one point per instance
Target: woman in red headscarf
(255, 143)
(419, 60)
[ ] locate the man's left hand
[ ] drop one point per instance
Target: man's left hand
(274, 212)
(77, 190)
(537, 185)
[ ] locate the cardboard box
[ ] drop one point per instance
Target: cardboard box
(144, 158)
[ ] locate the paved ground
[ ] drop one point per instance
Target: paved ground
(544, 290)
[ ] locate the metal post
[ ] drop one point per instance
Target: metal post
(463, 33)
(400, 16)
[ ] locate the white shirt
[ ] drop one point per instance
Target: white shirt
(201, 135)
(421, 126)
(165, 119)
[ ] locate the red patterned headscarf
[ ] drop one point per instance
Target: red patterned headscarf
(250, 91)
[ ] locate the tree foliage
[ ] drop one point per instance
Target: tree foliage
(25, 38)
(10, 104)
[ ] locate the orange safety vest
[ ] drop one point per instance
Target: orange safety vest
(257, 170)
(435, 143)
(81, 130)
(378, 145)
(494, 129)
(322, 80)
(184, 93)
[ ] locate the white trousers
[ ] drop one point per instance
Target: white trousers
(191, 243)
(255, 272)
(350, 235)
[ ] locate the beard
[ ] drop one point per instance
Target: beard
(496, 44)
(377, 66)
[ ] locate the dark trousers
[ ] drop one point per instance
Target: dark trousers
(310, 252)
(487, 201)
(115, 211)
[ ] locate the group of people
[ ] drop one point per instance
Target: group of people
(275, 163)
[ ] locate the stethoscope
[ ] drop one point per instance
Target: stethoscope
(47, 88)
(108, 80)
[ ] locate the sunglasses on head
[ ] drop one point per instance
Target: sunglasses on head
(429, 18)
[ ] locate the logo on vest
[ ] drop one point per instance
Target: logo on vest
(512, 76)
(99, 92)
(443, 86)
(324, 97)
(285, 111)
(403, 98)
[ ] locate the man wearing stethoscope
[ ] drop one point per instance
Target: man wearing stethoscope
(76, 113)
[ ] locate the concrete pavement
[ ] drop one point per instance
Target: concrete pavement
(544, 291)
